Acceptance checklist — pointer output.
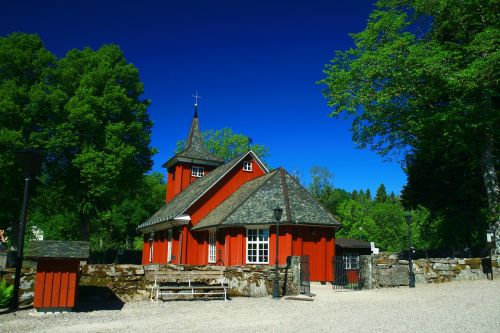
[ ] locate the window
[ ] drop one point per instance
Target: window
(247, 166)
(197, 171)
(257, 246)
(169, 246)
(351, 260)
(211, 246)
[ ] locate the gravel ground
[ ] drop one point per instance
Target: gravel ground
(468, 306)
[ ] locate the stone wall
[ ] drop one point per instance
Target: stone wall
(386, 270)
(26, 285)
(128, 282)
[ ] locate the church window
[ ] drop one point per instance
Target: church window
(247, 166)
(197, 171)
(211, 246)
(258, 246)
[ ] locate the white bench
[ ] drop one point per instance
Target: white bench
(182, 283)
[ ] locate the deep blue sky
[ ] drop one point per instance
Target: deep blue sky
(255, 63)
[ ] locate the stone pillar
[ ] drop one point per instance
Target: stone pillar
(367, 278)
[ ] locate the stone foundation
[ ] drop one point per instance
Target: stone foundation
(128, 282)
(386, 270)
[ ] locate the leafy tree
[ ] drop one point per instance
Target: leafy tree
(226, 144)
(357, 224)
(450, 186)
(85, 112)
(117, 225)
(321, 180)
(424, 74)
(24, 66)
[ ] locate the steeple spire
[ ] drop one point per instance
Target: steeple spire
(196, 96)
(194, 152)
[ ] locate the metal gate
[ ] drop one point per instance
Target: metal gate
(305, 277)
(346, 272)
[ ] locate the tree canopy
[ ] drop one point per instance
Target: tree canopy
(85, 112)
(421, 84)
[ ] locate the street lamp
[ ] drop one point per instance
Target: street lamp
(490, 241)
(277, 216)
(412, 275)
(30, 161)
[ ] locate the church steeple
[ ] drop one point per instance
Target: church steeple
(194, 152)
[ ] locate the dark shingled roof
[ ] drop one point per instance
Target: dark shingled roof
(253, 204)
(182, 201)
(194, 151)
(58, 249)
(352, 243)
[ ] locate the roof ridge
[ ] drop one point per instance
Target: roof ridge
(286, 196)
(311, 196)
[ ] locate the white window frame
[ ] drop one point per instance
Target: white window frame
(351, 260)
(197, 171)
(247, 166)
(211, 246)
(169, 245)
(255, 245)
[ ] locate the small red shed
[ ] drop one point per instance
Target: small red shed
(57, 273)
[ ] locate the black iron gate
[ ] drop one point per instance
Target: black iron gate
(346, 272)
(305, 286)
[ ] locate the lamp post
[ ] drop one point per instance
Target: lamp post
(277, 216)
(490, 241)
(411, 274)
(30, 161)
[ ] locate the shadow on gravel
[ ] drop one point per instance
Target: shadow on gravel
(92, 298)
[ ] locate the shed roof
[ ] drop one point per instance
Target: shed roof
(58, 249)
(253, 204)
(349, 243)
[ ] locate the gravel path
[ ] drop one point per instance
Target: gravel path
(468, 306)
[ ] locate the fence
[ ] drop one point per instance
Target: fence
(346, 272)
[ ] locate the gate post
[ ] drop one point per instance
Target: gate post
(366, 279)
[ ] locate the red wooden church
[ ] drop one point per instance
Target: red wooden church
(221, 213)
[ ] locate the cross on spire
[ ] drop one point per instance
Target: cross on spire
(196, 96)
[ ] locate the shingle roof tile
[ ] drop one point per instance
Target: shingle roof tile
(253, 204)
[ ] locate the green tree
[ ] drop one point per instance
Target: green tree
(226, 144)
(381, 195)
(356, 223)
(321, 181)
(24, 67)
(424, 74)
(85, 112)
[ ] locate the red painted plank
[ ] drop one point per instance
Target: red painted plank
(39, 285)
(71, 289)
(63, 296)
(47, 289)
(56, 284)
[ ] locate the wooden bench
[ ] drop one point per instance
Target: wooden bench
(182, 283)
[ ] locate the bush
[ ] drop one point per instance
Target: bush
(6, 292)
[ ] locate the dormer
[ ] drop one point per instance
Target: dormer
(192, 163)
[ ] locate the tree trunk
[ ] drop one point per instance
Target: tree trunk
(84, 227)
(492, 187)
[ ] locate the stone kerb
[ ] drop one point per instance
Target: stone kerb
(386, 270)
